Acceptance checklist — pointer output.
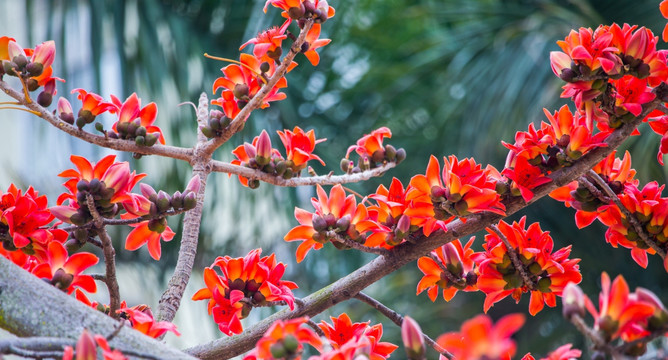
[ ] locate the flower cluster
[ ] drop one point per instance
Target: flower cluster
(536, 268)
(260, 155)
(451, 268)
(31, 66)
(244, 79)
(246, 282)
(349, 339)
(372, 153)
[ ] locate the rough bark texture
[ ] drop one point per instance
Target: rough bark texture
(171, 299)
(31, 307)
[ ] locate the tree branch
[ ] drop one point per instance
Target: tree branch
(515, 259)
(402, 254)
(171, 299)
(116, 144)
(220, 166)
(31, 307)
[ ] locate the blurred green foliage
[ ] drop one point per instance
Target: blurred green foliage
(448, 77)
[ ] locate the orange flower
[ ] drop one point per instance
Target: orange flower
(141, 319)
(285, 338)
(94, 104)
(457, 260)
(371, 145)
(299, 146)
(334, 216)
(268, 43)
(573, 133)
(480, 339)
(343, 330)
(127, 126)
(620, 313)
(389, 211)
(548, 271)
(64, 271)
(525, 177)
(463, 188)
(149, 232)
(4, 52)
(252, 279)
(242, 82)
(312, 43)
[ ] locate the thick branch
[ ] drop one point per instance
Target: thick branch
(116, 144)
(31, 307)
(219, 166)
(401, 255)
(238, 122)
(171, 298)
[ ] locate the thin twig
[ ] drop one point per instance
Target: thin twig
(99, 277)
(117, 222)
(109, 259)
(398, 320)
(584, 181)
(514, 257)
(630, 217)
(444, 269)
(316, 328)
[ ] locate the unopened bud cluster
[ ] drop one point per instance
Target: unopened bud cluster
(586, 201)
(218, 122)
(29, 69)
(329, 227)
(285, 348)
(308, 10)
(162, 203)
(131, 130)
(380, 157)
(513, 278)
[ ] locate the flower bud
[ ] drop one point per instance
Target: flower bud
(44, 99)
(344, 164)
(319, 224)
(151, 139)
(163, 201)
(157, 225)
(294, 12)
(177, 200)
(411, 335)
(34, 69)
(148, 192)
(401, 155)
(61, 279)
(86, 349)
(44, 54)
(263, 148)
(378, 156)
(264, 67)
(343, 223)
(253, 183)
(390, 152)
(193, 185)
(573, 301)
(453, 261)
(240, 91)
(207, 131)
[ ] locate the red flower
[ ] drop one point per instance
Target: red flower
(312, 43)
(631, 93)
(93, 103)
(23, 217)
(370, 144)
(343, 330)
(336, 215)
(65, 271)
(285, 337)
(141, 319)
(149, 232)
(525, 177)
(299, 146)
(268, 43)
(548, 271)
(480, 339)
(4, 44)
(457, 260)
(389, 211)
(463, 188)
(255, 279)
(242, 82)
(619, 311)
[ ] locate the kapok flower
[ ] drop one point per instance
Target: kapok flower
(371, 145)
(334, 216)
(480, 339)
(64, 271)
(524, 176)
(242, 82)
(255, 280)
(457, 260)
(619, 312)
(631, 93)
(343, 330)
(149, 232)
(312, 42)
(112, 181)
(548, 271)
(463, 188)
(93, 105)
(592, 50)
(268, 43)
(4, 47)
(389, 212)
(299, 146)
(573, 134)
(285, 339)
(23, 218)
(617, 173)
(141, 319)
(135, 122)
